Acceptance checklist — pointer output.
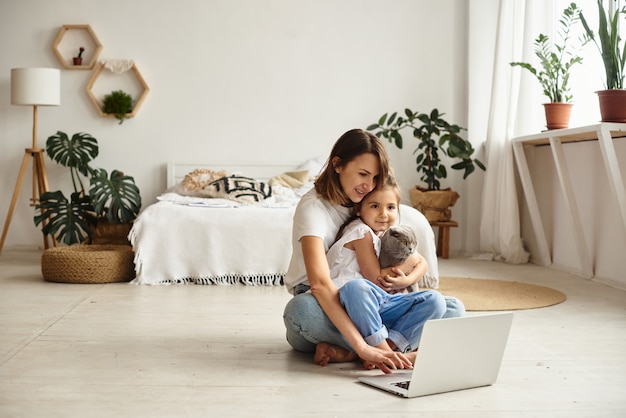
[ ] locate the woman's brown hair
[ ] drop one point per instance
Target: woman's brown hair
(350, 145)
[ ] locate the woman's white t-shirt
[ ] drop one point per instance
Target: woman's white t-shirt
(316, 217)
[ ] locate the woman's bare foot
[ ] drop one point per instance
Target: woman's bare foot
(327, 353)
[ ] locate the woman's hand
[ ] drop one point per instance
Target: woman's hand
(385, 360)
(403, 275)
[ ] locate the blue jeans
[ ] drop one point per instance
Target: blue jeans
(307, 324)
(399, 317)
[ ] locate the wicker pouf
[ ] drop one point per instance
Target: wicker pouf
(88, 264)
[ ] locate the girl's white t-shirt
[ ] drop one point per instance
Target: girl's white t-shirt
(314, 216)
(342, 261)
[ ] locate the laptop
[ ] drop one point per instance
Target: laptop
(454, 354)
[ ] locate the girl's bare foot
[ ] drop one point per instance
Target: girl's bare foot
(327, 353)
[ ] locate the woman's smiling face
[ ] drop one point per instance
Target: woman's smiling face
(358, 177)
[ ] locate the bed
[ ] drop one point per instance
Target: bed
(188, 237)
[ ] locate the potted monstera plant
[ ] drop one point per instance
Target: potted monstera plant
(111, 202)
(437, 140)
(612, 48)
(556, 62)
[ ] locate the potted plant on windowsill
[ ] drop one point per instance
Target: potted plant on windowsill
(112, 202)
(556, 61)
(612, 48)
(436, 139)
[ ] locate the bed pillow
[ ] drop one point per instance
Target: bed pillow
(238, 188)
(195, 181)
(313, 166)
(200, 177)
(291, 179)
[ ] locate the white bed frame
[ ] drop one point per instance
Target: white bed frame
(176, 171)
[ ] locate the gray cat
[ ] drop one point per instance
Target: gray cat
(396, 245)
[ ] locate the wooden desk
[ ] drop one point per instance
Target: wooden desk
(604, 133)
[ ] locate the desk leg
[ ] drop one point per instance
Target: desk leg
(570, 201)
(533, 208)
(612, 169)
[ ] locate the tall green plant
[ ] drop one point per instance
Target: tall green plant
(70, 221)
(609, 44)
(556, 60)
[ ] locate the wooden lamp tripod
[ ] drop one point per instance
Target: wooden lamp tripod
(32, 87)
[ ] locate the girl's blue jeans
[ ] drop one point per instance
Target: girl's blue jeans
(376, 314)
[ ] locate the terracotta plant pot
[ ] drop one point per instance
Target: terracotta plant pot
(612, 105)
(77, 61)
(434, 204)
(557, 115)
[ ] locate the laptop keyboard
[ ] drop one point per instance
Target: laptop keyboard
(404, 384)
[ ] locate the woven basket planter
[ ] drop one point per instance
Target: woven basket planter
(434, 204)
(88, 264)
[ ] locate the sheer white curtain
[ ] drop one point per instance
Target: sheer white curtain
(503, 108)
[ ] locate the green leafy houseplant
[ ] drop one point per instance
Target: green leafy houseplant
(611, 46)
(436, 138)
(113, 198)
(556, 60)
(118, 103)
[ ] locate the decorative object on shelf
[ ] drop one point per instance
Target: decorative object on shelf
(88, 264)
(110, 199)
(33, 87)
(117, 67)
(73, 34)
(556, 62)
(612, 48)
(434, 135)
(119, 104)
(78, 60)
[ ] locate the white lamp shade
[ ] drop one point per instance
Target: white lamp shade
(36, 86)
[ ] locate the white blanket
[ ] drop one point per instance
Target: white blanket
(178, 244)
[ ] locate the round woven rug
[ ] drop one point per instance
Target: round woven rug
(498, 295)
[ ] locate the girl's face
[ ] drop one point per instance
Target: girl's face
(358, 177)
(379, 209)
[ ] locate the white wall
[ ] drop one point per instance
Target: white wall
(233, 80)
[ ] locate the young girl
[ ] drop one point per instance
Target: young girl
(356, 256)
(358, 163)
(357, 251)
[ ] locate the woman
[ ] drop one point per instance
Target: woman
(358, 163)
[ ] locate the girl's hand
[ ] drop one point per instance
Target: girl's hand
(393, 282)
(398, 277)
(385, 360)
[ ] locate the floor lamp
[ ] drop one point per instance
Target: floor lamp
(33, 87)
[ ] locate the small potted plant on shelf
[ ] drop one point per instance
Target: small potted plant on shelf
(436, 139)
(119, 104)
(78, 60)
(612, 48)
(112, 202)
(556, 62)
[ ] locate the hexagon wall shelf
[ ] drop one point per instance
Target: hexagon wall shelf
(98, 104)
(78, 35)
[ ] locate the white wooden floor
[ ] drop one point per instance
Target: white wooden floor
(119, 350)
